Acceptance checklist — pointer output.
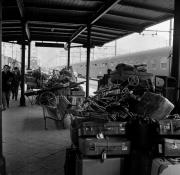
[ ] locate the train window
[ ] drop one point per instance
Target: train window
(163, 65)
(153, 65)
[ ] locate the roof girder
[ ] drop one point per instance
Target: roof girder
(21, 8)
(103, 10)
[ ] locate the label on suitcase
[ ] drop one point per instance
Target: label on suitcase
(94, 128)
(103, 147)
(110, 166)
(172, 147)
(169, 127)
(165, 167)
(169, 148)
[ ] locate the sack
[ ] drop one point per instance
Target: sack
(154, 106)
(123, 72)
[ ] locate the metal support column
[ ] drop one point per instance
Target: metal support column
(22, 98)
(175, 69)
(69, 54)
(29, 55)
(88, 59)
(2, 159)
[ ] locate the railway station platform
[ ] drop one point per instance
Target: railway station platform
(27, 147)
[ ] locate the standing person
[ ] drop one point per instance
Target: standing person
(6, 85)
(15, 83)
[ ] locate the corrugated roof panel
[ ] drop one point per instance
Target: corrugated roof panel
(55, 15)
(124, 20)
(166, 4)
(136, 11)
(67, 4)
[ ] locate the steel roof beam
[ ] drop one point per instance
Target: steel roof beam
(49, 28)
(51, 33)
(11, 22)
(126, 27)
(108, 29)
(20, 5)
(57, 45)
(146, 7)
(59, 10)
(102, 34)
(103, 10)
(92, 40)
(11, 32)
(51, 23)
(126, 15)
(11, 27)
(27, 31)
(97, 37)
(95, 34)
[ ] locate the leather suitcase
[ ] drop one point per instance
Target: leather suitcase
(110, 166)
(165, 167)
(154, 106)
(169, 127)
(103, 147)
(109, 128)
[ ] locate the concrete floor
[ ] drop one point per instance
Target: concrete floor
(27, 147)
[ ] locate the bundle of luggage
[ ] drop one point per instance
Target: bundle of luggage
(139, 143)
(136, 76)
(124, 130)
(99, 147)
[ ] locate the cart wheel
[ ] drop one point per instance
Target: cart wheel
(47, 98)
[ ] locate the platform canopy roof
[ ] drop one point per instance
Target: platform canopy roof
(67, 20)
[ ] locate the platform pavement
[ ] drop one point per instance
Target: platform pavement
(27, 147)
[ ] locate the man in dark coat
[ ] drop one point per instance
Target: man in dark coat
(6, 86)
(15, 82)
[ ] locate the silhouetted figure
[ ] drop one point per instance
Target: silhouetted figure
(7, 77)
(15, 83)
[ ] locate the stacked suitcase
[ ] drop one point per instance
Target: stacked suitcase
(102, 148)
(142, 146)
(168, 161)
